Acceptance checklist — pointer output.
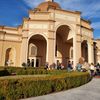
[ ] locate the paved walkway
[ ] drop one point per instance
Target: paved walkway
(90, 91)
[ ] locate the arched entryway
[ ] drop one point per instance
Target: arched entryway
(84, 49)
(37, 51)
(10, 57)
(64, 42)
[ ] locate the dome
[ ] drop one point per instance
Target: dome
(45, 5)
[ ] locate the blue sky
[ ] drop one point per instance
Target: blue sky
(12, 12)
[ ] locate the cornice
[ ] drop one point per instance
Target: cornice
(85, 27)
(10, 41)
(46, 20)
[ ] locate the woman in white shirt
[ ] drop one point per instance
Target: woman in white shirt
(92, 69)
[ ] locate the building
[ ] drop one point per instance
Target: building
(50, 34)
(97, 51)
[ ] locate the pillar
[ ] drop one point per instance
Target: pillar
(90, 53)
(2, 50)
(76, 45)
(76, 51)
(51, 51)
(24, 48)
(2, 54)
(51, 47)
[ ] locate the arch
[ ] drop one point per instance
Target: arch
(84, 50)
(63, 43)
(38, 44)
(67, 24)
(31, 35)
(10, 57)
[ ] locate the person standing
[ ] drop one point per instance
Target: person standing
(79, 67)
(69, 67)
(92, 69)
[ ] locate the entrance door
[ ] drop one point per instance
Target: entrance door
(35, 61)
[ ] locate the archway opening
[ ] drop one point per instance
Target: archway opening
(10, 57)
(84, 49)
(64, 41)
(37, 51)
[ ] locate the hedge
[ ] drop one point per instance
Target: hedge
(16, 87)
(27, 71)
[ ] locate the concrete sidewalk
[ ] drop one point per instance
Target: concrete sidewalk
(90, 91)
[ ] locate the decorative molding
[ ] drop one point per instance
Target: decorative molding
(46, 20)
(51, 38)
(85, 27)
(51, 31)
(38, 26)
(11, 41)
(79, 34)
(78, 41)
(65, 17)
(24, 37)
(25, 30)
(70, 11)
(13, 34)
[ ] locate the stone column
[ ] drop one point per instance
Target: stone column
(90, 53)
(24, 47)
(2, 49)
(2, 55)
(76, 46)
(51, 51)
(76, 51)
(51, 47)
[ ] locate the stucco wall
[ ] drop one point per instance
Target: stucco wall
(5, 46)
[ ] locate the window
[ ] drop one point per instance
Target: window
(32, 50)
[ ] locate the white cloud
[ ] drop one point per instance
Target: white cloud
(32, 3)
(96, 25)
(89, 9)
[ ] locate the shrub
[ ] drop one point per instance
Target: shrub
(4, 72)
(28, 71)
(16, 87)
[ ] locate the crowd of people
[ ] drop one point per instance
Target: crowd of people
(58, 66)
(93, 69)
(81, 67)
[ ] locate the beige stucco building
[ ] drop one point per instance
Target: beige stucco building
(97, 51)
(50, 34)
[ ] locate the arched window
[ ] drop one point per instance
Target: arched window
(10, 57)
(32, 50)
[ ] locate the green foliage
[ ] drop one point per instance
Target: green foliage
(4, 72)
(17, 87)
(27, 71)
(21, 71)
